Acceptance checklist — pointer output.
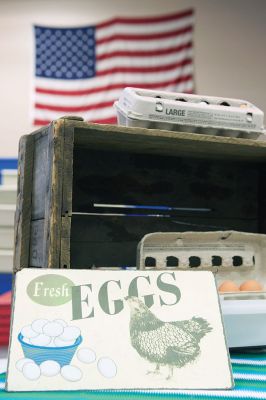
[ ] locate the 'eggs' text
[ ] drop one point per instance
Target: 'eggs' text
(109, 295)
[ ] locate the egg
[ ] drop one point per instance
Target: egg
(61, 321)
(38, 324)
(58, 342)
(41, 340)
(53, 329)
(71, 373)
(107, 367)
(86, 355)
(228, 286)
(70, 333)
(31, 371)
(251, 286)
(50, 368)
(20, 363)
(28, 332)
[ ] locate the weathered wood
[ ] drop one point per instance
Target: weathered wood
(142, 140)
(65, 242)
(37, 244)
(40, 176)
(23, 207)
(75, 164)
(53, 206)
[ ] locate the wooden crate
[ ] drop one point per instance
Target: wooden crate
(68, 166)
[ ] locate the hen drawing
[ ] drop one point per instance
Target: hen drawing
(172, 344)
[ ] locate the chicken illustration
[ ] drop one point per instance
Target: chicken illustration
(172, 344)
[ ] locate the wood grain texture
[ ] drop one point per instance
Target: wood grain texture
(73, 164)
(23, 207)
(53, 207)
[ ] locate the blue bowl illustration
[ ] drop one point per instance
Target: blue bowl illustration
(62, 355)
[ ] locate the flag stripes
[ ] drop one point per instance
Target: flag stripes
(150, 52)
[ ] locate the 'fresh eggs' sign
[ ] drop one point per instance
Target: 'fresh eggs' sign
(89, 329)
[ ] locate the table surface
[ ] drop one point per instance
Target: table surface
(249, 371)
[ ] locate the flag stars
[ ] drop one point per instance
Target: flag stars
(65, 53)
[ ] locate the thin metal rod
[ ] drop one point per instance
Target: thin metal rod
(122, 215)
(144, 207)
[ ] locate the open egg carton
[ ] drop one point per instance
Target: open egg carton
(236, 259)
(192, 113)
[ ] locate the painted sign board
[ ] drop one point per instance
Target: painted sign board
(116, 330)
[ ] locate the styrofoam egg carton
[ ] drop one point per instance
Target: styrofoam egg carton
(189, 113)
(230, 255)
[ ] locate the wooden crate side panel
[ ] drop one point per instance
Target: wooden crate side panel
(53, 207)
(37, 244)
(47, 197)
(65, 242)
(23, 208)
(40, 177)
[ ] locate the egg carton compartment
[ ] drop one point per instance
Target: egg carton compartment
(182, 112)
(230, 255)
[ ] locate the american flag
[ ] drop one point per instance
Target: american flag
(82, 71)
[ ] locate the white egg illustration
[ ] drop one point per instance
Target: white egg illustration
(86, 355)
(20, 363)
(38, 324)
(71, 373)
(58, 342)
(28, 332)
(107, 367)
(41, 340)
(61, 321)
(31, 371)
(70, 333)
(50, 368)
(53, 329)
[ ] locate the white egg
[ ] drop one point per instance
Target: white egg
(41, 340)
(71, 373)
(86, 355)
(38, 324)
(70, 333)
(20, 363)
(50, 368)
(58, 342)
(61, 321)
(107, 367)
(53, 329)
(31, 371)
(28, 332)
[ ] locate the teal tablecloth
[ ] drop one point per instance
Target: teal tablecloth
(249, 372)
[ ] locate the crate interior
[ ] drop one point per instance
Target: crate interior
(232, 190)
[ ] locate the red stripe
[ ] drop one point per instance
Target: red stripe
(112, 121)
(151, 36)
(157, 85)
(41, 122)
(145, 70)
(145, 53)
(74, 109)
(146, 20)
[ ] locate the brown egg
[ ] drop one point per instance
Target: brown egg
(251, 286)
(228, 286)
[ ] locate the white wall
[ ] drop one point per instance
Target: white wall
(229, 39)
